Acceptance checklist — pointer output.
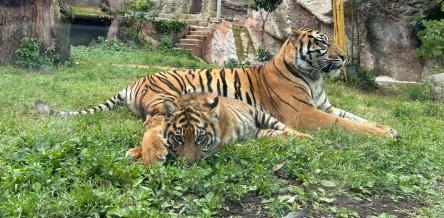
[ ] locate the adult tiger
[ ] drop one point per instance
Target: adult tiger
(198, 124)
(289, 87)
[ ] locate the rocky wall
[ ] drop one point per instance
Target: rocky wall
(388, 41)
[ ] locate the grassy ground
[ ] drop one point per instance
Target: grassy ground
(54, 166)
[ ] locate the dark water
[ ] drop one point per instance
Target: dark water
(83, 31)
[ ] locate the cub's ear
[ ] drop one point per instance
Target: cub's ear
(168, 107)
(213, 104)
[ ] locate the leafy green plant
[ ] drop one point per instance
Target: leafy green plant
(166, 42)
(418, 92)
(233, 63)
(168, 27)
(110, 45)
(32, 54)
(137, 12)
(360, 77)
(263, 55)
(432, 37)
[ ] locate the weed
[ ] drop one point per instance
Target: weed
(233, 63)
(263, 55)
(32, 54)
(360, 77)
(418, 92)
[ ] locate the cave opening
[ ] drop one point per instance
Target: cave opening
(85, 29)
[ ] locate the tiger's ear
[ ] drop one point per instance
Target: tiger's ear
(294, 33)
(213, 104)
(168, 107)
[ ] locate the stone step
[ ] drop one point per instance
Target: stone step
(202, 33)
(195, 50)
(190, 46)
(191, 41)
(201, 37)
(200, 28)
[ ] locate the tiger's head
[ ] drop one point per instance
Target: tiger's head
(313, 53)
(190, 127)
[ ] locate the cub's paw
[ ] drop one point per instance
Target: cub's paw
(297, 134)
(153, 149)
(134, 153)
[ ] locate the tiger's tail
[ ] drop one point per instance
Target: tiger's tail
(119, 99)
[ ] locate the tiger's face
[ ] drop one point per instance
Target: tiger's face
(316, 53)
(190, 126)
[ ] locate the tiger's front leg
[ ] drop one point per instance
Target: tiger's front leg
(152, 147)
(347, 115)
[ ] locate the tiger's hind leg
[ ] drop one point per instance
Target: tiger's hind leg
(270, 126)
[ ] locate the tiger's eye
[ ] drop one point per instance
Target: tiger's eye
(200, 138)
(178, 138)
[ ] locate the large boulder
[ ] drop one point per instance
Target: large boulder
(289, 14)
(392, 39)
(437, 86)
(222, 46)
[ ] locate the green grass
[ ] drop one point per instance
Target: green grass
(89, 11)
(55, 166)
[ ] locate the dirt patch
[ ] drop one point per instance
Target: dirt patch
(378, 204)
(248, 206)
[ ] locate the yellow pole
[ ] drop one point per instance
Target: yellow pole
(339, 25)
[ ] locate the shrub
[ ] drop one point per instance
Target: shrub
(360, 77)
(32, 54)
(233, 63)
(418, 92)
(263, 55)
(110, 45)
(166, 42)
(432, 36)
(168, 27)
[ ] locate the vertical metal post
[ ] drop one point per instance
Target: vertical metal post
(219, 5)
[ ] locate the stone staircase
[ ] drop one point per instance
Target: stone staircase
(196, 41)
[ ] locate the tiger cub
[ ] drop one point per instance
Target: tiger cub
(198, 124)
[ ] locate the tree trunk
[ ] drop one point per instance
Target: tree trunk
(30, 18)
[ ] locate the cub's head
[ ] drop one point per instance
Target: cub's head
(191, 125)
(314, 53)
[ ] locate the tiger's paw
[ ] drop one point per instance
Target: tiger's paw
(153, 149)
(392, 133)
(389, 131)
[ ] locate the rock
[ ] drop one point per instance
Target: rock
(395, 54)
(278, 24)
(113, 29)
(437, 86)
(432, 66)
(222, 44)
(115, 5)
